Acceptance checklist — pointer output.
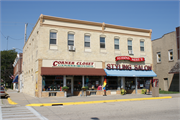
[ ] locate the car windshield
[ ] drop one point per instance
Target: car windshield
(2, 88)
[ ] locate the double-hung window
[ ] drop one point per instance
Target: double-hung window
(129, 44)
(87, 41)
(53, 38)
(102, 42)
(71, 39)
(170, 54)
(141, 45)
(158, 57)
(116, 43)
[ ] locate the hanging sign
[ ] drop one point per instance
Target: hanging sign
(130, 59)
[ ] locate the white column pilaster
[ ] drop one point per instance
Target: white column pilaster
(136, 84)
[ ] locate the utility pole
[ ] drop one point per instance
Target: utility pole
(25, 33)
(7, 42)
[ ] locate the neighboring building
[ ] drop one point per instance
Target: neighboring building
(165, 56)
(18, 80)
(74, 53)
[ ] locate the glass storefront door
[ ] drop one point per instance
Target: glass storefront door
(69, 83)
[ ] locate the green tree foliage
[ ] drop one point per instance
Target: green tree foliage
(7, 60)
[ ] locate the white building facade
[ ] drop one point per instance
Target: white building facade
(65, 52)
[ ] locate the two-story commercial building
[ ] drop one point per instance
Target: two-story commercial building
(65, 52)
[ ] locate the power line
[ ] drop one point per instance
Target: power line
(11, 37)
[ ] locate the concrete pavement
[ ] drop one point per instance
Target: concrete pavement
(24, 99)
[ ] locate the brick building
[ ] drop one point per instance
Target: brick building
(18, 80)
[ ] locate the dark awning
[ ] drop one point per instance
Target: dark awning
(72, 71)
(175, 69)
(15, 79)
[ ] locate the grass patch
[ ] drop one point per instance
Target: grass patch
(167, 92)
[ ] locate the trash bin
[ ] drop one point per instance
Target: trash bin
(155, 88)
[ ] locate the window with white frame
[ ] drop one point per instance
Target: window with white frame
(158, 57)
(116, 43)
(141, 45)
(71, 39)
(102, 42)
(87, 41)
(53, 38)
(170, 54)
(129, 44)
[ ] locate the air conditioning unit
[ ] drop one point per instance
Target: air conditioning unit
(71, 48)
(130, 52)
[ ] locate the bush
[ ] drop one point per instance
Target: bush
(143, 91)
(85, 87)
(123, 91)
(65, 87)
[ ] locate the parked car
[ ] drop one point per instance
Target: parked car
(2, 93)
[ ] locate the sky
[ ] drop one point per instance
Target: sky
(160, 16)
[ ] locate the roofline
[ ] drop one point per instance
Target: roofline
(94, 23)
(41, 17)
(163, 35)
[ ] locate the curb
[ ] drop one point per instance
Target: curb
(93, 102)
(11, 102)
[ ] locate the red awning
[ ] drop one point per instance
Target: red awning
(72, 71)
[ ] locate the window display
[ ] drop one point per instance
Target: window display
(92, 82)
(52, 83)
(112, 83)
(130, 83)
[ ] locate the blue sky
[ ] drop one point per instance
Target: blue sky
(160, 16)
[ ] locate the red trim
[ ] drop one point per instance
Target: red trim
(130, 59)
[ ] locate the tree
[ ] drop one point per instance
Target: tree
(7, 60)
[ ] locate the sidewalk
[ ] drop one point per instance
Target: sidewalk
(24, 99)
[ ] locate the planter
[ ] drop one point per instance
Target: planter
(84, 89)
(65, 90)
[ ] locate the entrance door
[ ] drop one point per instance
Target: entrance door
(69, 83)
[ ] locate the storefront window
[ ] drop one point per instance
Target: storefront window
(141, 83)
(130, 83)
(52, 83)
(112, 83)
(77, 82)
(92, 82)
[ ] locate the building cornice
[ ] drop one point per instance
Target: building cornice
(93, 23)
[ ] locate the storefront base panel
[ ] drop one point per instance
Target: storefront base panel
(52, 94)
(99, 92)
(60, 94)
(118, 92)
(36, 93)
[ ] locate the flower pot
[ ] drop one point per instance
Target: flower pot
(84, 89)
(65, 90)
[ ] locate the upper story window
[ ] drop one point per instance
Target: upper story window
(87, 40)
(102, 42)
(170, 54)
(116, 43)
(159, 57)
(70, 39)
(129, 44)
(141, 45)
(53, 38)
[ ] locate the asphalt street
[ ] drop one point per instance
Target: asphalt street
(164, 109)
(146, 109)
